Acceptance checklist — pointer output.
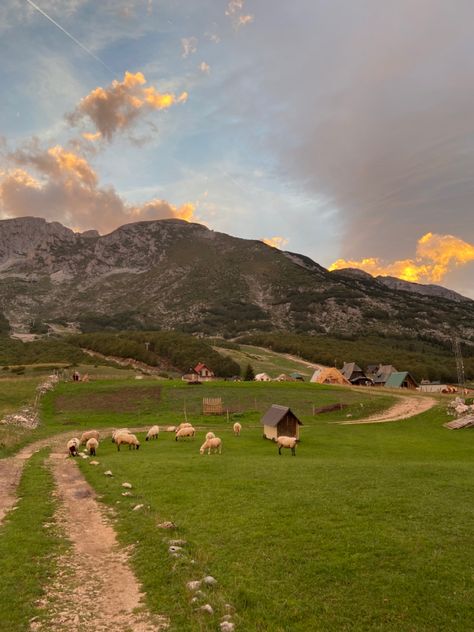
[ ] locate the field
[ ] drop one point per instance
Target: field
(367, 528)
(266, 361)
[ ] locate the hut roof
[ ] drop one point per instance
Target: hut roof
(384, 372)
(395, 380)
(329, 375)
(349, 368)
(275, 414)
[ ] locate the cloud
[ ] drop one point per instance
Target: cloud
(64, 187)
(204, 68)
(115, 108)
(275, 242)
(436, 256)
(235, 12)
(189, 46)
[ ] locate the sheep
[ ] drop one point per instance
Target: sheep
(129, 439)
(72, 446)
(92, 445)
(210, 435)
(88, 435)
(287, 442)
(211, 444)
(185, 424)
(153, 433)
(120, 430)
(188, 431)
(237, 428)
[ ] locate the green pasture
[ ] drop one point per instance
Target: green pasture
(367, 528)
(29, 546)
(266, 361)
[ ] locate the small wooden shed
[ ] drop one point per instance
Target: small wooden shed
(280, 421)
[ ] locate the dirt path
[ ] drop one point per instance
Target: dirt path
(95, 589)
(11, 469)
(404, 408)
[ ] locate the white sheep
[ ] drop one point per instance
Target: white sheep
(210, 435)
(185, 424)
(188, 431)
(72, 446)
(214, 444)
(153, 433)
(119, 431)
(89, 434)
(127, 438)
(237, 428)
(287, 442)
(92, 445)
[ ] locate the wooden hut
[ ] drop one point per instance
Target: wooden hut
(329, 375)
(401, 379)
(280, 421)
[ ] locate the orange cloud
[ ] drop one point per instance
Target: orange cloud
(235, 12)
(436, 256)
(65, 188)
(275, 242)
(115, 108)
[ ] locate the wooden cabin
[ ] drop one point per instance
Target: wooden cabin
(280, 421)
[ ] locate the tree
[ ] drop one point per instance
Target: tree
(249, 374)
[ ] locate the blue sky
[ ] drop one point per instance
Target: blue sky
(343, 128)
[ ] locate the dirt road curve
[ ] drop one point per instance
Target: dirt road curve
(405, 408)
(95, 589)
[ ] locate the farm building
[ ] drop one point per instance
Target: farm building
(297, 376)
(436, 387)
(329, 375)
(203, 371)
(352, 372)
(283, 377)
(401, 379)
(279, 421)
(381, 374)
(262, 377)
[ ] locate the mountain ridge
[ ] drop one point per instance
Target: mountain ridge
(174, 274)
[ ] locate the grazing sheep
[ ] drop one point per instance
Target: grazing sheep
(127, 438)
(210, 435)
(237, 428)
(91, 446)
(188, 431)
(211, 444)
(72, 446)
(120, 430)
(185, 424)
(89, 434)
(153, 433)
(286, 442)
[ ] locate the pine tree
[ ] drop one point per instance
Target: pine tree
(249, 374)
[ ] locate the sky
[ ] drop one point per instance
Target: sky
(341, 130)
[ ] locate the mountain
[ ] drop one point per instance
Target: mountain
(174, 274)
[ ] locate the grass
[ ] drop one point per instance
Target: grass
(266, 361)
(368, 528)
(28, 547)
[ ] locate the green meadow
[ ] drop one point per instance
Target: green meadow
(367, 528)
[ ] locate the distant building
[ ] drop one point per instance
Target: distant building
(279, 421)
(203, 371)
(401, 379)
(329, 375)
(262, 377)
(352, 372)
(380, 375)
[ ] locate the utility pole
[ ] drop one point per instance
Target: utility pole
(459, 364)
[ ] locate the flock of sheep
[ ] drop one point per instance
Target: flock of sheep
(123, 436)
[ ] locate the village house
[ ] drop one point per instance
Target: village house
(352, 372)
(329, 375)
(401, 379)
(203, 371)
(379, 374)
(279, 421)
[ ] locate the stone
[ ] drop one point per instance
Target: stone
(207, 608)
(177, 542)
(127, 485)
(175, 549)
(108, 473)
(227, 626)
(166, 525)
(137, 507)
(209, 580)
(93, 462)
(194, 585)
(127, 494)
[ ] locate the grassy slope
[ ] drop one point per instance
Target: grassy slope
(27, 548)
(14, 393)
(266, 361)
(368, 528)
